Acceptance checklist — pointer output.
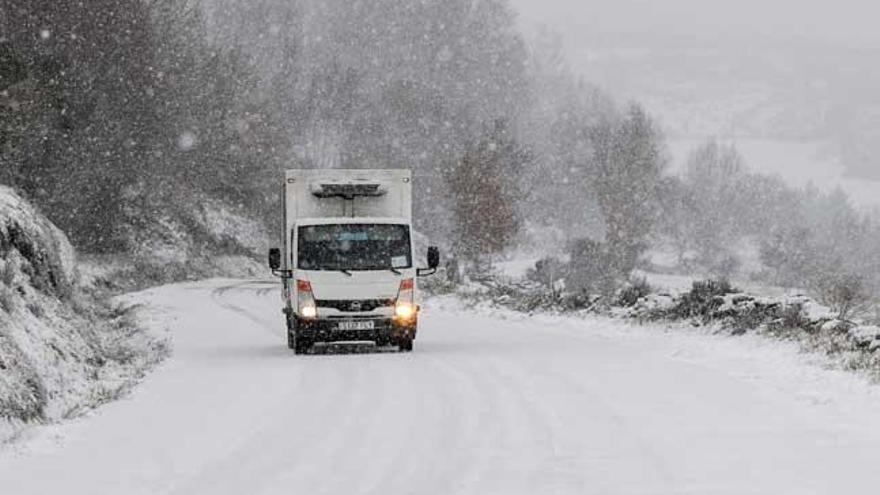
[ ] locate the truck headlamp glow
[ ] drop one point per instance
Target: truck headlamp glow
(305, 300)
(404, 311)
(405, 307)
(308, 312)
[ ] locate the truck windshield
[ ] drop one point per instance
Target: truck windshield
(354, 247)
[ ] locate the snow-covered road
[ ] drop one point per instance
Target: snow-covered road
(487, 404)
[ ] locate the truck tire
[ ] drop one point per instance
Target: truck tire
(295, 342)
(301, 345)
(405, 344)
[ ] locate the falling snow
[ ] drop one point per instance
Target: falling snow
(149, 141)
(187, 141)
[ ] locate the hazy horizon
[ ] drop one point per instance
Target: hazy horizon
(844, 21)
(791, 83)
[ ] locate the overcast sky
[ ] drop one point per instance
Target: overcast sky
(850, 21)
(586, 25)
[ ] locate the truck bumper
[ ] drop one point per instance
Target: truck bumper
(386, 331)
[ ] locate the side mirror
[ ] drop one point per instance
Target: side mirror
(433, 257)
(433, 262)
(275, 259)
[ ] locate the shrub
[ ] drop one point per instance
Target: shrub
(712, 288)
(794, 317)
(592, 268)
(547, 272)
(845, 293)
(705, 297)
(635, 290)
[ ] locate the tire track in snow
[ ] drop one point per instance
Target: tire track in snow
(287, 441)
(221, 296)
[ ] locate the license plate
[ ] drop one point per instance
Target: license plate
(356, 325)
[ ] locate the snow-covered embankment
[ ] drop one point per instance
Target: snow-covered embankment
(62, 349)
(711, 304)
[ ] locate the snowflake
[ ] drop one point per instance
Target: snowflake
(187, 140)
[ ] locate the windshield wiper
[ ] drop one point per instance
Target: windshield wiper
(348, 272)
(381, 268)
(343, 270)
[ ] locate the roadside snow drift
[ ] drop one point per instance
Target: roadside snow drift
(61, 350)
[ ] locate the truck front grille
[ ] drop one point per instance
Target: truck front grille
(355, 306)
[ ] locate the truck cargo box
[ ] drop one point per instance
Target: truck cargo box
(348, 193)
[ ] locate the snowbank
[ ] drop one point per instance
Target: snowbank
(62, 350)
(709, 304)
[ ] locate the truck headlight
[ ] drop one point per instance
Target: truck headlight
(305, 299)
(404, 310)
(405, 307)
(308, 312)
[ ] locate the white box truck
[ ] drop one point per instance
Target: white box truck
(348, 264)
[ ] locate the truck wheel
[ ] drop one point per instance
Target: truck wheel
(294, 341)
(405, 344)
(297, 342)
(301, 345)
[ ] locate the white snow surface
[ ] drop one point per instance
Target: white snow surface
(491, 402)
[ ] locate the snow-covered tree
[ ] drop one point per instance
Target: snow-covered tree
(625, 170)
(716, 179)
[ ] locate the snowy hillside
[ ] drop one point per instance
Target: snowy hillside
(62, 350)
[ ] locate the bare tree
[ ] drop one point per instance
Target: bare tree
(485, 194)
(716, 177)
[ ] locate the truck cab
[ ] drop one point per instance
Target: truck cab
(349, 267)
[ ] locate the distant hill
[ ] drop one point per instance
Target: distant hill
(749, 89)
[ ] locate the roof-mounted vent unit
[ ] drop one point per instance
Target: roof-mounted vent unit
(348, 190)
